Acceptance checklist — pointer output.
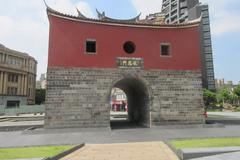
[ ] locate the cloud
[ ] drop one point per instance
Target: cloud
(64, 6)
(85, 9)
(24, 29)
(224, 16)
(226, 23)
(24, 23)
(67, 6)
(24, 26)
(6, 26)
(147, 7)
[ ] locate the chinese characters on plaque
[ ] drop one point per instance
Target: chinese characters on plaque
(129, 62)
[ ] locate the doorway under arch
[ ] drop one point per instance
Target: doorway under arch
(138, 106)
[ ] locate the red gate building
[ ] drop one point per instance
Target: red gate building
(157, 65)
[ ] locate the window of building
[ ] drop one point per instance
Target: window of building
(29, 92)
(205, 13)
(206, 34)
(206, 27)
(12, 78)
(91, 47)
(12, 91)
(165, 49)
(9, 78)
(1, 57)
(129, 47)
(16, 78)
(15, 91)
(208, 49)
(208, 57)
(9, 90)
(174, 18)
(207, 41)
(13, 104)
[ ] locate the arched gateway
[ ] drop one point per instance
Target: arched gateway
(158, 66)
(138, 99)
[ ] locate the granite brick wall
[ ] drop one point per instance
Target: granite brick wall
(79, 97)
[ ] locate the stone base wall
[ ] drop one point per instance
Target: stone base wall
(79, 97)
(4, 99)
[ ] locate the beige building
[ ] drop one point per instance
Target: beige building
(221, 83)
(17, 78)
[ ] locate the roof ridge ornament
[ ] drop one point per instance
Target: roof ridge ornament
(49, 8)
(102, 16)
(106, 20)
(80, 14)
(198, 20)
(45, 3)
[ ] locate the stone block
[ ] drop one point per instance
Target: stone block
(79, 97)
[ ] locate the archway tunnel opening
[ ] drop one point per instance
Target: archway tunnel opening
(135, 106)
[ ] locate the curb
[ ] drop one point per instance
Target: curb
(176, 151)
(187, 154)
(196, 153)
(65, 153)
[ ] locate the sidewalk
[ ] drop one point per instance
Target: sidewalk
(121, 151)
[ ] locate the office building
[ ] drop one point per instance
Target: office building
(17, 78)
(182, 11)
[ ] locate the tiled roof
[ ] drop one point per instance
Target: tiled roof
(140, 23)
(103, 17)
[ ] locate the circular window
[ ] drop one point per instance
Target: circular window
(129, 47)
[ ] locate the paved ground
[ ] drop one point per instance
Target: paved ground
(22, 123)
(120, 134)
(128, 151)
(227, 118)
(68, 136)
(227, 156)
(225, 114)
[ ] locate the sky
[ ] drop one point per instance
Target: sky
(24, 26)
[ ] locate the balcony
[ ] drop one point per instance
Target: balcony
(183, 4)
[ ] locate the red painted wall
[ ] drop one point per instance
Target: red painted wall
(67, 45)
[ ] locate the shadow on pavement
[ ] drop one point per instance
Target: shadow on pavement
(124, 124)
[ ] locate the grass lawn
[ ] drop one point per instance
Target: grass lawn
(32, 152)
(201, 143)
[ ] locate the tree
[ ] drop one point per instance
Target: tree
(40, 96)
(237, 90)
(209, 97)
(224, 95)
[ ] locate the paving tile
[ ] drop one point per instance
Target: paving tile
(126, 151)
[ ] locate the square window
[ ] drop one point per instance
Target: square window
(91, 46)
(165, 49)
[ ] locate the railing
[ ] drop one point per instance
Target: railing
(28, 109)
